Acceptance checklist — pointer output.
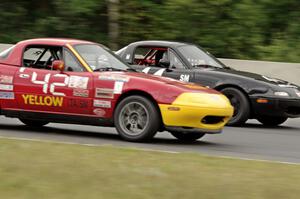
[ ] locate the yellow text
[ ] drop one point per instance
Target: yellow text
(43, 100)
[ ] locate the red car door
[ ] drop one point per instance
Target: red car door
(53, 91)
(40, 89)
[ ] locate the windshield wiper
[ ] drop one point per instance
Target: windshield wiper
(131, 69)
(206, 66)
(107, 69)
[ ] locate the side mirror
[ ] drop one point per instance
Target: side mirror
(58, 65)
(164, 63)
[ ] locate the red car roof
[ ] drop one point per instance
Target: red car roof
(54, 41)
(15, 57)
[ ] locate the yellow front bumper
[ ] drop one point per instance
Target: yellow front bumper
(191, 110)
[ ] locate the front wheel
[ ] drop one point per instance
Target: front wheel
(33, 123)
(187, 137)
(271, 121)
(240, 104)
(136, 119)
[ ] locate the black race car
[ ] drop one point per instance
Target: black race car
(271, 101)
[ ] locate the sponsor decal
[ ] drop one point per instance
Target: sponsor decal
(78, 103)
(24, 76)
(6, 79)
(7, 95)
(6, 87)
(80, 92)
(50, 86)
(78, 82)
(184, 78)
(118, 78)
(104, 93)
(99, 111)
(118, 87)
(102, 103)
(42, 100)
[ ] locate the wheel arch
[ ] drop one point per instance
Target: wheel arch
(223, 86)
(143, 94)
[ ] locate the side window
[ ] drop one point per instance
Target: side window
(175, 62)
(31, 56)
(41, 56)
(71, 64)
(149, 56)
(141, 52)
(140, 55)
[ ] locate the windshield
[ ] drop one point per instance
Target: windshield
(4, 54)
(197, 57)
(121, 51)
(98, 57)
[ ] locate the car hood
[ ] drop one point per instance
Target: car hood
(254, 76)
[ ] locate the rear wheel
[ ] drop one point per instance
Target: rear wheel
(33, 123)
(136, 119)
(187, 137)
(271, 121)
(240, 104)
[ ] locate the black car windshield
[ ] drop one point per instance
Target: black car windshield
(198, 57)
(98, 57)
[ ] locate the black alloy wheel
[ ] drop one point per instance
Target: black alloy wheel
(241, 106)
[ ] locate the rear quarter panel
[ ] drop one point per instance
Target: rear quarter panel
(7, 96)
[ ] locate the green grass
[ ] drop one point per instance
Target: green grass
(47, 170)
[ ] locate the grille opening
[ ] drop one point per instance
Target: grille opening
(212, 119)
(292, 110)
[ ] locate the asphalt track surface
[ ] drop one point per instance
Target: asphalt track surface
(253, 141)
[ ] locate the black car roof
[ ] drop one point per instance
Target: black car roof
(159, 43)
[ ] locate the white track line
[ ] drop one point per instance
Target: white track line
(258, 160)
(143, 149)
(51, 141)
(82, 144)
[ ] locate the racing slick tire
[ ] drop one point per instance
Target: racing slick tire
(271, 120)
(136, 119)
(33, 123)
(187, 137)
(241, 106)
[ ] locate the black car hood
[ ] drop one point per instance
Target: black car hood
(253, 76)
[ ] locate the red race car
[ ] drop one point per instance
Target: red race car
(80, 82)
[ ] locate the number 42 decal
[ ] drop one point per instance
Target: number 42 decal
(45, 82)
